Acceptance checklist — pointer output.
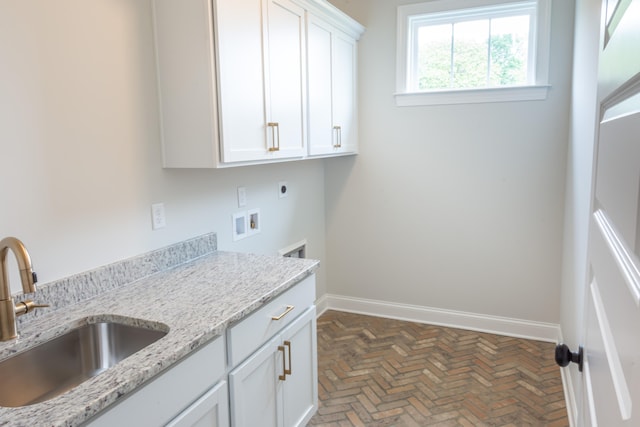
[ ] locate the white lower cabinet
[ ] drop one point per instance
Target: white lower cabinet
(300, 388)
(191, 393)
(272, 374)
(277, 385)
(211, 410)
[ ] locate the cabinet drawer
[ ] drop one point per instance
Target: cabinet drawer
(254, 330)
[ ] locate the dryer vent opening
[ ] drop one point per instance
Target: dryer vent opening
(297, 250)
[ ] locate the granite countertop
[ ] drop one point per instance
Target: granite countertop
(197, 301)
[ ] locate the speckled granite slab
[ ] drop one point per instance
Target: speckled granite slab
(196, 301)
(88, 284)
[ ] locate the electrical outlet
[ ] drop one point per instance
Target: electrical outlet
(158, 219)
(283, 189)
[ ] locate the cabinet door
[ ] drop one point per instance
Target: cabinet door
(331, 61)
(344, 91)
(186, 82)
(211, 410)
(278, 385)
(260, 61)
(285, 48)
(300, 391)
(256, 391)
(319, 39)
(241, 80)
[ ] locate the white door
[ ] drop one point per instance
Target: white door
(255, 391)
(319, 37)
(333, 124)
(345, 118)
(286, 93)
(260, 51)
(611, 394)
(211, 410)
(300, 390)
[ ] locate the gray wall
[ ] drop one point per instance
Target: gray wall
(80, 150)
(457, 207)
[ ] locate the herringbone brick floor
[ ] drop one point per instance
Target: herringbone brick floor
(381, 372)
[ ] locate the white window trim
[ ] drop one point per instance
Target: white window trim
(537, 91)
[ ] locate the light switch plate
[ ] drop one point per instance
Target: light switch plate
(242, 197)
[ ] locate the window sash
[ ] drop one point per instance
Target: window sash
(418, 21)
(472, 14)
(413, 16)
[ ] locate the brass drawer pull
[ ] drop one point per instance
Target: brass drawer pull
(284, 313)
(283, 377)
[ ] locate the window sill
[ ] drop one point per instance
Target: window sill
(472, 96)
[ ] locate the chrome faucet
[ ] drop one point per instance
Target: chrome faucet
(9, 311)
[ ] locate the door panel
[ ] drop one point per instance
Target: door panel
(599, 386)
(255, 389)
(241, 80)
(618, 172)
(611, 395)
(613, 350)
(211, 410)
(300, 390)
(286, 97)
(320, 87)
(620, 60)
(344, 90)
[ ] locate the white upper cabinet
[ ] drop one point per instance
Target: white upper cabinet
(236, 87)
(186, 82)
(261, 79)
(333, 120)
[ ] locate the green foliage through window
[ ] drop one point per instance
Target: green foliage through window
(469, 54)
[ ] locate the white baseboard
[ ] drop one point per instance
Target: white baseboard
(539, 331)
(322, 304)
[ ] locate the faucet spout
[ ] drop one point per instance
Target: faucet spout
(24, 263)
(8, 310)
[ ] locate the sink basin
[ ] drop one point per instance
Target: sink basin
(51, 368)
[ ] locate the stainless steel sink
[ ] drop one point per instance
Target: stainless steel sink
(51, 368)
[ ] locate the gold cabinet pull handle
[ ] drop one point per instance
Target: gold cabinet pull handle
(338, 130)
(275, 126)
(288, 345)
(283, 377)
(284, 313)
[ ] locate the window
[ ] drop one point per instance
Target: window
(460, 51)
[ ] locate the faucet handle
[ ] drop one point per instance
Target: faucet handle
(24, 307)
